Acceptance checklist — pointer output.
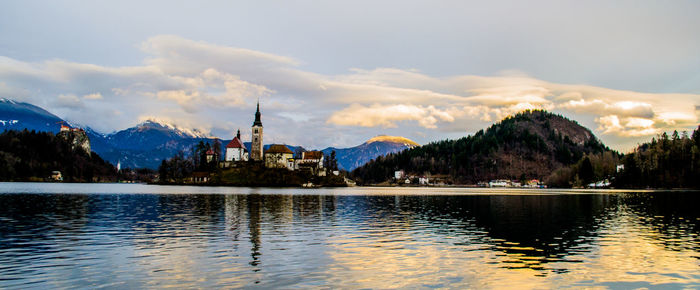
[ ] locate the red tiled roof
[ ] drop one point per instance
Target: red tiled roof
(313, 155)
(279, 149)
(235, 143)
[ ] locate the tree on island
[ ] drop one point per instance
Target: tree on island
(175, 169)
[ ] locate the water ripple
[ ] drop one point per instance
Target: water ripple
(107, 239)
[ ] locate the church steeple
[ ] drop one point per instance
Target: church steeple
(257, 117)
(256, 148)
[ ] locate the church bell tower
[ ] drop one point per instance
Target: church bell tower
(256, 150)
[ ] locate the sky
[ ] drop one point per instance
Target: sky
(336, 73)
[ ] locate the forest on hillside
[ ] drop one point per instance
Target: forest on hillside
(542, 145)
(665, 162)
(527, 145)
(33, 156)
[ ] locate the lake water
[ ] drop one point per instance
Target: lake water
(145, 236)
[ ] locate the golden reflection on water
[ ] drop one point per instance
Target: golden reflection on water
(621, 254)
(400, 251)
(281, 241)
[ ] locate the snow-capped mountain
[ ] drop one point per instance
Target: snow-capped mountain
(18, 116)
(157, 124)
(148, 143)
(151, 134)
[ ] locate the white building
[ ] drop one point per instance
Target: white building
(235, 150)
(499, 183)
(423, 180)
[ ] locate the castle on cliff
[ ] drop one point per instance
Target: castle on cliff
(76, 137)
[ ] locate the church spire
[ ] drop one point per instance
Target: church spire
(257, 116)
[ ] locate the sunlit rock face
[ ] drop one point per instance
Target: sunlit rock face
(77, 138)
(392, 139)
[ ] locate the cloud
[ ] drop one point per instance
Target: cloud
(212, 88)
(215, 87)
(621, 108)
(93, 96)
(176, 55)
(387, 116)
(627, 126)
(69, 101)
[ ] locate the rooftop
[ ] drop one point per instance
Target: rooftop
(277, 148)
(235, 143)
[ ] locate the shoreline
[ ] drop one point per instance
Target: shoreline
(349, 186)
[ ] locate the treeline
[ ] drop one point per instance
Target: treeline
(589, 169)
(180, 167)
(176, 169)
(665, 162)
(33, 156)
(528, 145)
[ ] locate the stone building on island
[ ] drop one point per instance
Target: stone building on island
(312, 161)
(279, 156)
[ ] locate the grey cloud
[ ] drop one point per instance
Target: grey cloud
(213, 87)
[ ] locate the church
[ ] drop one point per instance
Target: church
(236, 150)
(277, 156)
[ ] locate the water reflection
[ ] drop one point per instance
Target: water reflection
(378, 241)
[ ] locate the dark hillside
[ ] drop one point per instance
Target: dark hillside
(665, 162)
(528, 145)
(32, 156)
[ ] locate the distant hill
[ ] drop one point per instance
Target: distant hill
(528, 145)
(353, 157)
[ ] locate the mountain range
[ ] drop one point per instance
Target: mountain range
(148, 143)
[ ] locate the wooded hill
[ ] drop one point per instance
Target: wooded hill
(528, 145)
(32, 156)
